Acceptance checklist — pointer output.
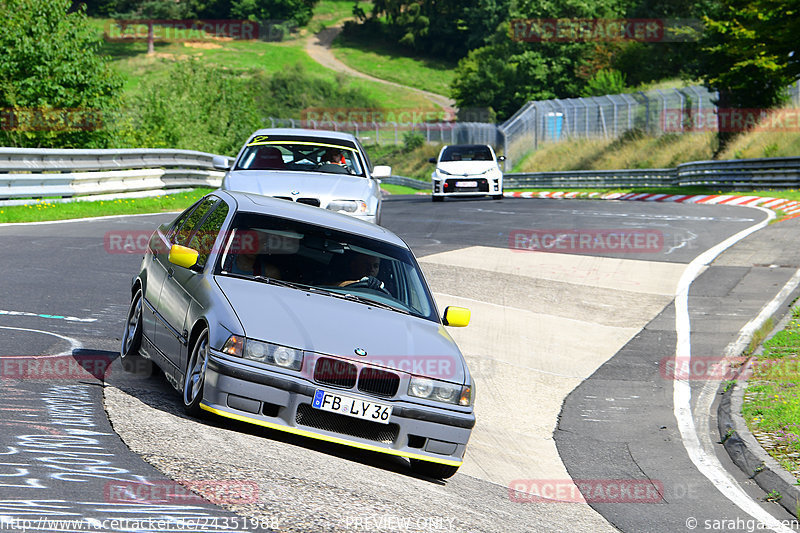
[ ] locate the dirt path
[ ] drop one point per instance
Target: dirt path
(319, 48)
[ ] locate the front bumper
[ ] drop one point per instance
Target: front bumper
(450, 187)
(283, 402)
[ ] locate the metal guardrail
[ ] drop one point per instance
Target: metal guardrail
(576, 179)
(47, 173)
(407, 182)
(769, 172)
(50, 173)
(776, 172)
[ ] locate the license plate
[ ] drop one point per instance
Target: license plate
(355, 407)
(466, 184)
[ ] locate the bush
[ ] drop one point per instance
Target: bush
(197, 108)
(605, 82)
(213, 109)
(412, 140)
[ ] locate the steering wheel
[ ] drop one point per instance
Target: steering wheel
(370, 282)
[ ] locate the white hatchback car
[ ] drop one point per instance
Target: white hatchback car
(325, 169)
(467, 170)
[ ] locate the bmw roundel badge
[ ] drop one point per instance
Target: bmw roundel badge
(361, 351)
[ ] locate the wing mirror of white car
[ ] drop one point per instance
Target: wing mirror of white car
(220, 162)
(381, 171)
(501, 158)
(432, 160)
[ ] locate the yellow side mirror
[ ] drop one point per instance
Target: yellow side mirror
(457, 317)
(183, 256)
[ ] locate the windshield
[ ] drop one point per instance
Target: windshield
(340, 263)
(303, 155)
(467, 153)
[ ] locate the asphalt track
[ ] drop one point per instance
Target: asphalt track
(64, 279)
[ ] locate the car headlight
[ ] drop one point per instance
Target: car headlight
(440, 391)
(264, 352)
(348, 206)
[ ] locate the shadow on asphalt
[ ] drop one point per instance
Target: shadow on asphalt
(148, 384)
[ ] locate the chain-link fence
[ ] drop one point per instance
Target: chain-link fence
(395, 133)
(684, 110)
(609, 116)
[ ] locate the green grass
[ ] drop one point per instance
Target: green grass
(401, 189)
(329, 13)
(632, 150)
(772, 399)
(382, 59)
(131, 60)
(44, 210)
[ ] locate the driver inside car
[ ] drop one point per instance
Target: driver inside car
(363, 269)
(334, 161)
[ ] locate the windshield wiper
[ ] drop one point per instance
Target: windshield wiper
(282, 283)
(270, 281)
(368, 301)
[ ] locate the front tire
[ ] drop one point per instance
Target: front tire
(437, 198)
(195, 377)
(132, 336)
(434, 470)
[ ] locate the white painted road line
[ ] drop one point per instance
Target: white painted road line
(42, 315)
(73, 344)
(707, 463)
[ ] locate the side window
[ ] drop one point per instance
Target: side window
(363, 152)
(181, 234)
(203, 239)
(173, 229)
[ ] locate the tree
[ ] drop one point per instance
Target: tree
(750, 55)
(151, 11)
(507, 72)
(443, 28)
(54, 87)
(299, 11)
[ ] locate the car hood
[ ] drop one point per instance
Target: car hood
(333, 326)
(306, 184)
(466, 168)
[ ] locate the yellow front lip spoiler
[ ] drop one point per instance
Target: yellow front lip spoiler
(336, 440)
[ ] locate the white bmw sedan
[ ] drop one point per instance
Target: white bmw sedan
(325, 169)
